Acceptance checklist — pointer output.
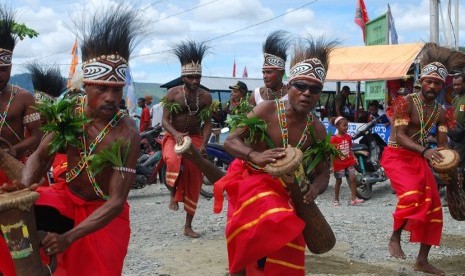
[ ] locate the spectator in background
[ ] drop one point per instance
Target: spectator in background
(122, 105)
(342, 104)
(144, 117)
(417, 87)
(238, 93)
(373, 114)
(157, 113)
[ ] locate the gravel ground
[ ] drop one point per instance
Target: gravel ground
(158, 246)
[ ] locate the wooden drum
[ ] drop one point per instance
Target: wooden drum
(447, 170)
(286, 165)
(18, 228)
(180, 149)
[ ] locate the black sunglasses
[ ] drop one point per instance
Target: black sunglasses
(302, 87)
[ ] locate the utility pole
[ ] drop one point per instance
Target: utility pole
(456, 27)
(434, 21)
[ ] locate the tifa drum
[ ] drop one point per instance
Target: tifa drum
(18, 228)
(447, 170)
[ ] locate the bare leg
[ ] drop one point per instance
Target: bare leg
(188, 227)
(394, 243)
(352, 185)
(173, 203)
(422, 263)
(337, 188)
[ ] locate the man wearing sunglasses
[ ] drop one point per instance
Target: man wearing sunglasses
(260, 220)
(274, 49)
(185, 185)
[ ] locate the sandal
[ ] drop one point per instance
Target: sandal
(336, 203)
(356, 201)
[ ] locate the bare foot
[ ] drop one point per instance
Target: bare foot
(173, 205)
(190, 233)
(427, 268)
(395, 249)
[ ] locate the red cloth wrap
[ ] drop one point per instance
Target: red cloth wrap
(418, 198)
(189, 182)
(261, 222)
(99, 253)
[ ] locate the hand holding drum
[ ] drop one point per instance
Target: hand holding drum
(317, 233)
(447, 170)
(184, 147)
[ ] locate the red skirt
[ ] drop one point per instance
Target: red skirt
(261, 222)
(418, 203)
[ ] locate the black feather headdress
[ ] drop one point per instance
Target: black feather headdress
(275, 50)
(437, 62)
(190, 54)
(48, 82)
(310, 59)
(107, 42)
(7, 37)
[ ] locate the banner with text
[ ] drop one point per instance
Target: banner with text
(377, 31)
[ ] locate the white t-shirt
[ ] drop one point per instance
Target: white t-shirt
(157, 114)
(259, 99)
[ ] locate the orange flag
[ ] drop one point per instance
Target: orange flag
(74, 62)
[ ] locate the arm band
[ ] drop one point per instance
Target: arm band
(442, 129)
(124, 169)
(31, 118)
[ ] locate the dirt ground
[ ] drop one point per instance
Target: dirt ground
(209, 258)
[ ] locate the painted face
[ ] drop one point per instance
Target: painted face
(273, 78)
(5, 72)
(192, 82)
(459, 85)
(431, 88)
(303, 95)
(103, 100)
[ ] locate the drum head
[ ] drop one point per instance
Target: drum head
(287, 164)
(180, 149)
(22, 199)
(451, 161)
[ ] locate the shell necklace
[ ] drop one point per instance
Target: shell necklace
(191, 112)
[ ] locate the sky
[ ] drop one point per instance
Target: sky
(234, 29)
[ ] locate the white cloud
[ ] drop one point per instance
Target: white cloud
(299, 18)
(241, 10)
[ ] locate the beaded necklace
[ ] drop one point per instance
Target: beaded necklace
(284, 131)
(5, 112)
(268, 90)
(196, 101)
(85, 152)
(424, 131)
(283, 125)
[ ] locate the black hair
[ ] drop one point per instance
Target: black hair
(141, 99)
(460, 76)
(46, 79)
(277, 44)
(112, 30)
(310, 48)
(190, 51)
(7, 38)
(374, 103)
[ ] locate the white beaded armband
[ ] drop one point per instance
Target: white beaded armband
(442, 129)
(124, 169)
(31, 118)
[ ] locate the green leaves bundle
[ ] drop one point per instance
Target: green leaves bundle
(171, 106)
(62, 122)
(206, 112)
(320, 149)
(115, 154)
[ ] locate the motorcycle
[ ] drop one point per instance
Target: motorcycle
(149, 157)
(368, 153)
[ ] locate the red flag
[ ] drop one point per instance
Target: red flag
(361, 16)
(245, 74)
(234, 69)
(74, 62)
